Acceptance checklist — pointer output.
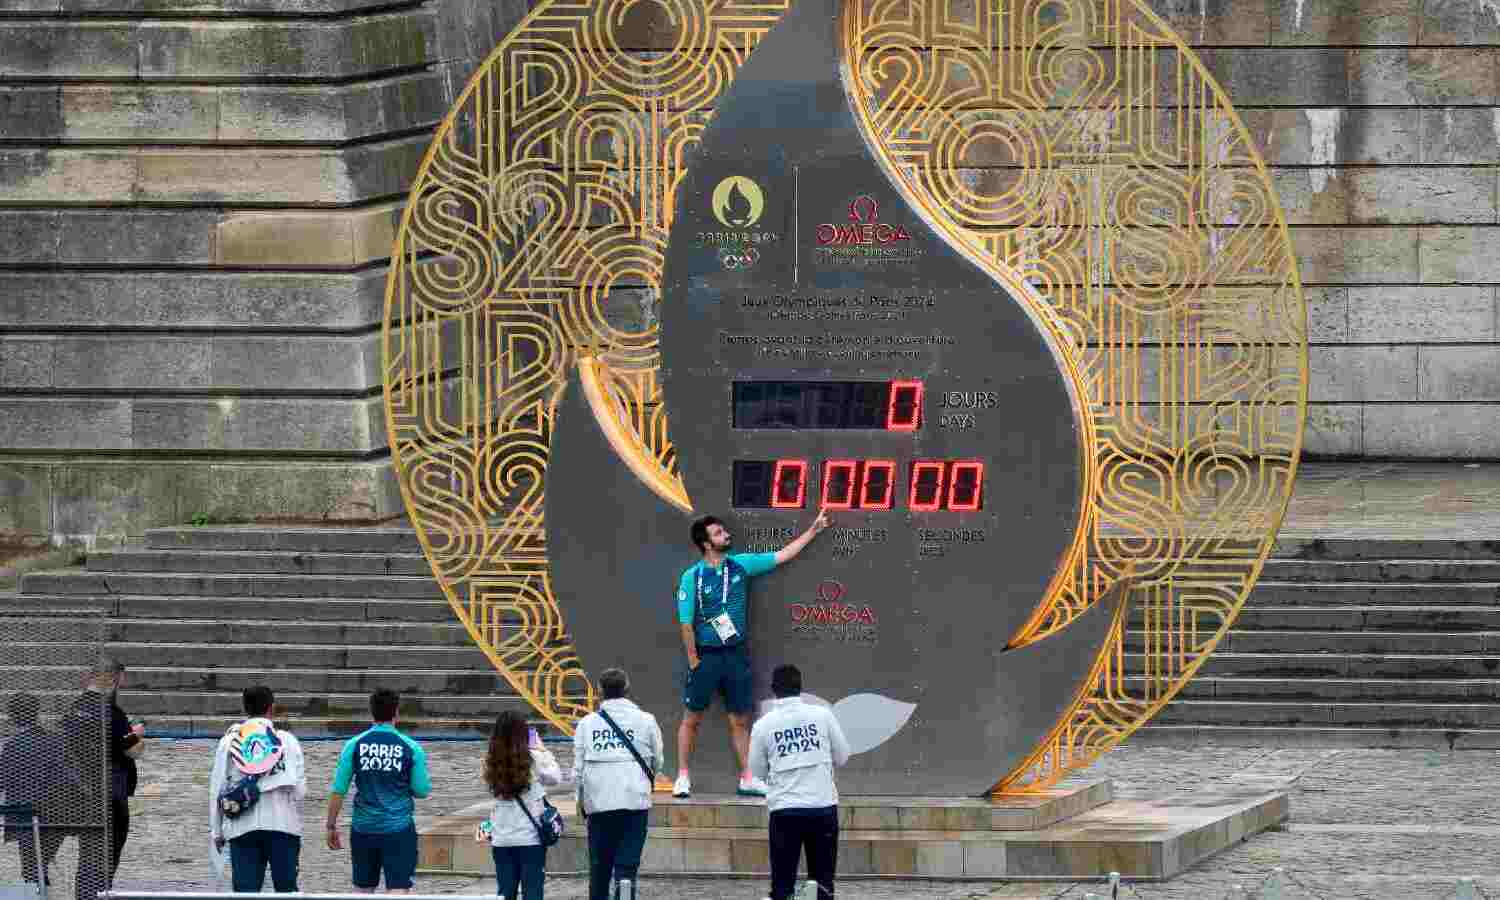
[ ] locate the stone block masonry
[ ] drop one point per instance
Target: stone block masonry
(197, 200)
(197, 203)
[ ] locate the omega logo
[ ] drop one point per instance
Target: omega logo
(866, 227)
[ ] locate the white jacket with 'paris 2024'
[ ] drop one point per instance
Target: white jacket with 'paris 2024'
(794, 748)
(607, 775)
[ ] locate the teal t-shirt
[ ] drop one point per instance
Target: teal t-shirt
(708, 585)
(388, 770)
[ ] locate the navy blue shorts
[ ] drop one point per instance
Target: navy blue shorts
(394, 853)
(725, 672)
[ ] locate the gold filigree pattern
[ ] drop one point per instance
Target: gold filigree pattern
(533, 239)
(1082, 144)
(1078, 142)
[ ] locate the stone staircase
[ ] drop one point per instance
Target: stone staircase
(321, 615)
(1366, 642)
(1362, 642)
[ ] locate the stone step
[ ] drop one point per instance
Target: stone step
(169, 679)
(1360, 642)
(1379, 714)
(1382, 570)
(275, 632)
(1373, 593)
(336, 726)
(1384, 548)
(74, 582)
(300, 539)
(251, 562)
(260, 655)
(394, 538)
(1358, 618)
(288, 609)
(214, 704)
(1312, 666)
(1272, 736)
(1414, 690)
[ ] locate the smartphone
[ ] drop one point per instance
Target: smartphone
(532, 738)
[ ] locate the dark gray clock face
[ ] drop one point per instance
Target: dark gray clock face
(824, 348)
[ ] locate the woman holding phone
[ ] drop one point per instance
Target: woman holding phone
(517, 768)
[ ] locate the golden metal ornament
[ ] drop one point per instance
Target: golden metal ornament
(1084, 145)
(1079, 143)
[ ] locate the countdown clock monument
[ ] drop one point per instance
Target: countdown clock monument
(825, 348)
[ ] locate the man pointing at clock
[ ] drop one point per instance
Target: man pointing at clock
(712, 610)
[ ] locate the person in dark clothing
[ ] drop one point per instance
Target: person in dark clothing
(29, 774)
(106, 768)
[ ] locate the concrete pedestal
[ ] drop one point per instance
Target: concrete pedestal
(1077, 830)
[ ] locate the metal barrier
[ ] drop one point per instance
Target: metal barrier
(1278, 885)
(55, 771)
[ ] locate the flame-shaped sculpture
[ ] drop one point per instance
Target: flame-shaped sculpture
(1081, 144)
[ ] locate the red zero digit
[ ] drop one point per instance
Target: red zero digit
(905, 410)
(926, 485)
(877, 486)
(789, 489)
(838, 484)
(965, 485)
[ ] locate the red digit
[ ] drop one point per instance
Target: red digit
(926, 485)
(877, 486)
(838, 484)
(789, 484)
(905, 410)
(965, 486)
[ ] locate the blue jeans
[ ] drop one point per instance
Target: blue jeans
(525, 867)
(252, 852)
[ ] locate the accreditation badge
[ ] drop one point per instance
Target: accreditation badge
(724, 627)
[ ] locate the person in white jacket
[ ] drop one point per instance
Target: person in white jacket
(269, 833)
(795, 747)
(518, 767)
(614, 788)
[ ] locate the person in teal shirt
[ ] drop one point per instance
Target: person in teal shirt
(389, 772)
(713, 614)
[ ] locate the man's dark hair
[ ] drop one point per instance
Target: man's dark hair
(700, 531)
(258, 700)
(786, 681)
(383, 705)
(24, 710)
(614, 683)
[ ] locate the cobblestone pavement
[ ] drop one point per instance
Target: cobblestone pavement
(1365, 824)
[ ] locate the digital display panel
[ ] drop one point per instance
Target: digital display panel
(863, 484)
(828, 405)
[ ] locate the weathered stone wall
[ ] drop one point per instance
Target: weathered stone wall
(1379, 121)
(197, 199)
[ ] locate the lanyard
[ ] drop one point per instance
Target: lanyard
(698, 589)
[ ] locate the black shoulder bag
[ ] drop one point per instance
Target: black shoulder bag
(551, 828)
(630, 745)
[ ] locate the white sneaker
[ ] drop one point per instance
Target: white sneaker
(683, 786)
(752, 787)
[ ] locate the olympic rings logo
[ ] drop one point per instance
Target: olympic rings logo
(732, 259)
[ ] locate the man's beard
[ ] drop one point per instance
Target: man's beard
(728, 544)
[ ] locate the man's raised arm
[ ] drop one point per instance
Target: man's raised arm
(789, 552)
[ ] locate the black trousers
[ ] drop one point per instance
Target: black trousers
(796, 830)
(616, 839)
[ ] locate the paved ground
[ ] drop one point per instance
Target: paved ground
(1365, 824)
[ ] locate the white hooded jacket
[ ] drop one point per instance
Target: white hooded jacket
(281, 792)
(608, 777)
